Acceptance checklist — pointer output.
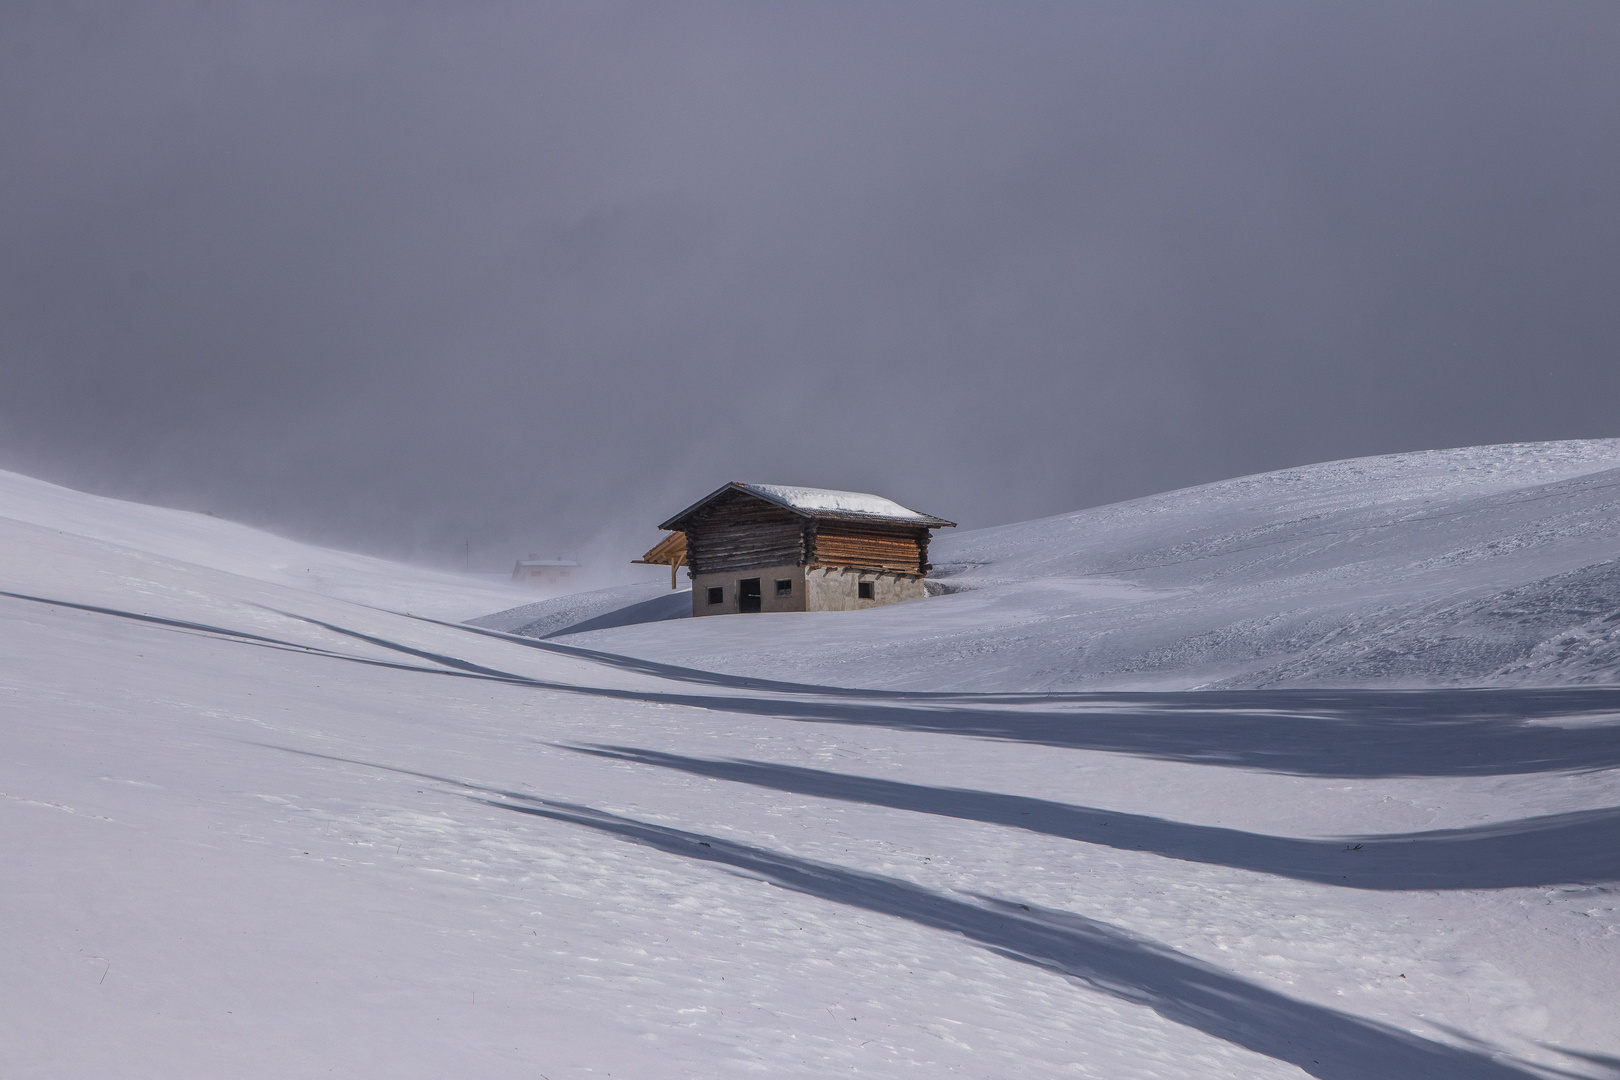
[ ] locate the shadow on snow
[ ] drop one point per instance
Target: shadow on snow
(1558, 849)
(1330, 733)
(1336, 733)
(1321, 1041)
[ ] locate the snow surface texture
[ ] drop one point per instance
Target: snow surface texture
(255, 829)
(1487, 566)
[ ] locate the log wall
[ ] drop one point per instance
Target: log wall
(742, 533)
(869, 547)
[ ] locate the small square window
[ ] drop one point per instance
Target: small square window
(717, 594)
(863, 590)
(784, 586)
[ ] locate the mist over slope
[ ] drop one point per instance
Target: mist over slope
(1481, 566)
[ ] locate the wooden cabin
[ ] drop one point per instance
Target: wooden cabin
(763, 547)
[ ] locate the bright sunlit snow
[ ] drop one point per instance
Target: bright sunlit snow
(272, 811)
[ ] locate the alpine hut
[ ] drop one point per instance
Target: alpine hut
(765, 547)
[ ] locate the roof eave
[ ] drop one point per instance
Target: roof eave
(920, 521)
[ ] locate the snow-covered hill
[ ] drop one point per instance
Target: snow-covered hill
(125, 530)
(256, 821)
(1485, 566)
(577, 613)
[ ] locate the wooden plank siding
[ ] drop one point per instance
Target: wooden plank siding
(869, 547)
(740, 533)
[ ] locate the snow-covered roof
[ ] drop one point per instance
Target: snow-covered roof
(820, 502)
(844, 502)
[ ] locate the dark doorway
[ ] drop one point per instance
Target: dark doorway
(748, 594)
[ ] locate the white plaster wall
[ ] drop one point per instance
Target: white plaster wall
(834, 588)
(768, 600)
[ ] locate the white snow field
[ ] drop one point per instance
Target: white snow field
(258, 821)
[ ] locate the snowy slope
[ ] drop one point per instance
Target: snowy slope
(255, 829)
(620, 605)
(1484, 566)
(206, 541)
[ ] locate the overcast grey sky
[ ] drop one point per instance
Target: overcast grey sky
(388, 276)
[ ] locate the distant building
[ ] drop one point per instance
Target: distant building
(762, 547)
(544, 573)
